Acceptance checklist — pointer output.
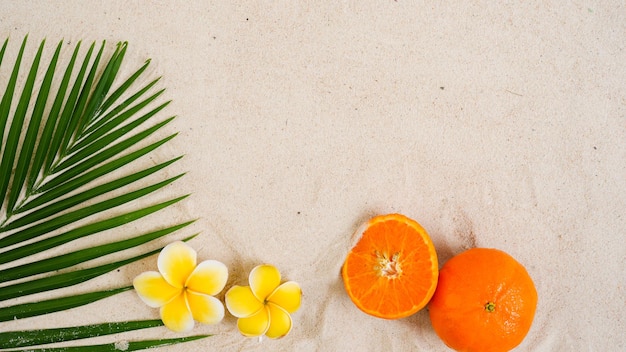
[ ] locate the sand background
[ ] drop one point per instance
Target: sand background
(492, 125)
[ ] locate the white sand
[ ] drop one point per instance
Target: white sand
(500, 126)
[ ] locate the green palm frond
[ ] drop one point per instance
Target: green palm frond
(65, 143)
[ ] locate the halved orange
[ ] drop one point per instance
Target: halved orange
(392, 271)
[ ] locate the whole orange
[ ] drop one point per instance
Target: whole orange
(485, 301)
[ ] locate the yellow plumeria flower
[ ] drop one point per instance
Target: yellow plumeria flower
(264, 307)
(183, 291)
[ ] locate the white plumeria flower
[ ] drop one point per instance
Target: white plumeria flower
(183, 290)
(264, 307)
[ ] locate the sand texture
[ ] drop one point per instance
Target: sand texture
(494, 125)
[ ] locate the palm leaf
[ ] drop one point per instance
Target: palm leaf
(58, 139)
(47, 336)
(26, 310)
(44, 147)
(31, 134)
(119, 346)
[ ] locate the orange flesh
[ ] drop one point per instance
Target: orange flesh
(392, 271)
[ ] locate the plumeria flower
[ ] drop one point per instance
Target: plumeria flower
(183, 291)
(264, 307)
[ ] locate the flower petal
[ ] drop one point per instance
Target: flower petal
(263, 280)
(280, 322)
(209, 278)
(204, 308)
(176, 315)
(241, 302)
(288, 296)
(154, 290)
(255, 325)
(176, 262)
